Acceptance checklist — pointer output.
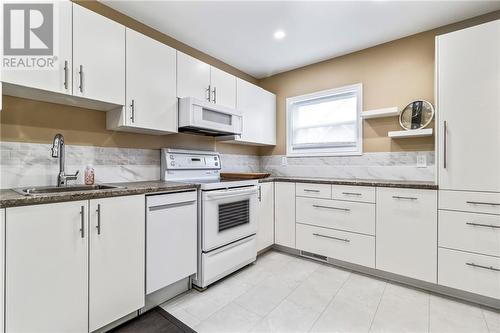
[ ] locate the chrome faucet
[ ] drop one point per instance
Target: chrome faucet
(58, 152)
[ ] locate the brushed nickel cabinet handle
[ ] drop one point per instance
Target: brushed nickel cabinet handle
(483, 225)
(132, 111)
(491, 268)
(66, 74)
(334, 208)
(404, 198)
(445, 140)
(351, 193)
(98, 226)
(483, 203)
(331, 237)
(209, 93)
(80, 72)
(215, 95)
(82, 221)
(307, 190)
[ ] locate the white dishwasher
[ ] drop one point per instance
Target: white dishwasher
(171, 238)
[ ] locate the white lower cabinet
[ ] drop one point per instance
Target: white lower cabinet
(471, 272)
(57, 281)
(407, 232)
(345, 246)
(284, 223)
(47, 268)
(265, 216)
(117, 246)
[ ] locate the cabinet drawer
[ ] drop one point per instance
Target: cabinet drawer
(343, 215)
(470, 232)
(477, 202)
(314, 190)
(346, 246)
(475, 273)
(353, 193)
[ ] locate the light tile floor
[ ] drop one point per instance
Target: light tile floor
(283, 293)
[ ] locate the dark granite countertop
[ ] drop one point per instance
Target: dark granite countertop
(10, 198)
(355, 182)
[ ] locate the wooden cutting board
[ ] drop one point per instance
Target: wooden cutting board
(244, 175)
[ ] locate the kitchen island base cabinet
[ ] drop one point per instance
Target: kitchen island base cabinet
(284, 200)
(117, 246)
(47, 268)
(407, 232)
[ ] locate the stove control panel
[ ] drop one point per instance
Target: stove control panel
(177, 159)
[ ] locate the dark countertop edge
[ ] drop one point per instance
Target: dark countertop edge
(374, 183)
(19, 200)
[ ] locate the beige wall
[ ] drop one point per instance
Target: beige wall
(392, 74)
(26, 120)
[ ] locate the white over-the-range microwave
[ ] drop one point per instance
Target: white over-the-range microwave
(204, 117)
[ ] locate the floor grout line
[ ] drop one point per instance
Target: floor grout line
(331, 301)
(484, 318)
(378, 305)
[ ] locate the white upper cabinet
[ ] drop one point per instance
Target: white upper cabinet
(259, 114)
(151, 95)
(193, 77)
(468, 78)
(57, 79)
(223, 86)
(200, 80)
(117, 258)
(98, 57)
(47, 268)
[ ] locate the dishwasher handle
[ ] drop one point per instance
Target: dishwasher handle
(171, 205)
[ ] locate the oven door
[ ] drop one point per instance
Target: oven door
(228, 215)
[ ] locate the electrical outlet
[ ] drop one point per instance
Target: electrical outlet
(421, 161)
(284, 160)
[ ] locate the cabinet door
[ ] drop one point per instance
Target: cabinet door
(468, 76)
(265, 216)
(407, 232)
(57, 79)
(223, 87)
(117, 246)
(284, 200)
(98, 57)
(259, 113)
(151, 84)
(47, 268)
(193, 77)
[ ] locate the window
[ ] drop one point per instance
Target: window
(325, 123)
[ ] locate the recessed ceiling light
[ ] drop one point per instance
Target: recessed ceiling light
(279, 34)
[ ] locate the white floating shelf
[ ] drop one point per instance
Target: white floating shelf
(380, 113)
(411, 133)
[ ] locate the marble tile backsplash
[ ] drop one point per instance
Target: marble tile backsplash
(30, 164)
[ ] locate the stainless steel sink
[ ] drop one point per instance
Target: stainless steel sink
(62, 189)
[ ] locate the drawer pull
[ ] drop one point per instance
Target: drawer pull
(483, 203)
(307, 190)
(491, 268)
(331, 237)
(351, 193)
(405, 198)
(334, 208)
(483, 225)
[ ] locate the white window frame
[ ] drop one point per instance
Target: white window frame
(328, 151)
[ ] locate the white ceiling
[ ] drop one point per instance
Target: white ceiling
(240, 33)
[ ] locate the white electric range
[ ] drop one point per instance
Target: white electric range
(226, 212)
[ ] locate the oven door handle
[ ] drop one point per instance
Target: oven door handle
(231, 193)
